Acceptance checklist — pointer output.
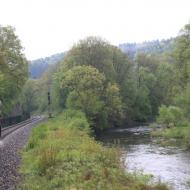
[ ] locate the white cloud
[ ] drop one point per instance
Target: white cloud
(50, 26)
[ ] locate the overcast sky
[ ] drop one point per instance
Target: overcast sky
(47, 27)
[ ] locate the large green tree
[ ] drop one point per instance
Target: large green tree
(156, 79)
(181, 55)
(13, 67)
(90, 93)
(108, 60)
(179, 87)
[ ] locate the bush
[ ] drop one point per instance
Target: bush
(175, 136)
(171, 116)
(76, 119)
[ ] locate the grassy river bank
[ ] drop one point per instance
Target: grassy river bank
(61, 154)
(179, 135)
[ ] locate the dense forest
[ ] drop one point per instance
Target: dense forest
(39, 66)
(121, 89)
(149, 47)
(101, 80)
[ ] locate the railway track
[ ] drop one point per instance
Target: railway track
(8, 130)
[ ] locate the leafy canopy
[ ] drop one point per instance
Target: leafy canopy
(13, 67)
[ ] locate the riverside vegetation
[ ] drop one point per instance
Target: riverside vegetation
(175, 115)
(61, 155)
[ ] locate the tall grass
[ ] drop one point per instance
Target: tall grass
(61, 155)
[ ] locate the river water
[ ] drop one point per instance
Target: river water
(141, 152)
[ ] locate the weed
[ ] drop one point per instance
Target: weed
(68, 158)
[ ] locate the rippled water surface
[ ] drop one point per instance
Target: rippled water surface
(141, 152)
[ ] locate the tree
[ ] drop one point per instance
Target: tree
(86, 86)
(114, 105)
(90, 93)
(108, 60)
(95, 52)
(181, 55)
(13, 67)
(175, 80)
(171, 116)
(158, 77)
(29, 96)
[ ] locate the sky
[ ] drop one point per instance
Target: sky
(46, 27)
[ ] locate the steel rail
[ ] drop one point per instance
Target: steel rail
(8, 130)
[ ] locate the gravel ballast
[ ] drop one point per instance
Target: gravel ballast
(10, 158)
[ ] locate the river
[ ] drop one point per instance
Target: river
(141, 152)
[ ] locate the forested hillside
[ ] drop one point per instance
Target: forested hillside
(39, 66)
(149, 47)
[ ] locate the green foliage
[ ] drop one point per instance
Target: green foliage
(89, 103)
(165, 87)
(13, 67)
(108, 65)
(29, 95)
(101, 81)
(37, 135)
(113, 104)
(171, 115)
(181, 55)
(83, 78)
(94, 52)
(67, 158)
(85, 84)
(142, 105)
(181, 134)
(90, 93)
(183, 101)
(156, 77)
(179, 92)
(34, 93)
(76, 119)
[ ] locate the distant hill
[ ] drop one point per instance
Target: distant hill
(150, 47)
(39, 66)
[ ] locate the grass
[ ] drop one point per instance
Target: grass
(60, 156)
(178, 135)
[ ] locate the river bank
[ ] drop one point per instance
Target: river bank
(179, 136)
(141, 152)
(59, 156)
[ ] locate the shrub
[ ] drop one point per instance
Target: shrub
(76, 119)
(171, 115)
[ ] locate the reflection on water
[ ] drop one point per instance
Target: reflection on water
(141, 152)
